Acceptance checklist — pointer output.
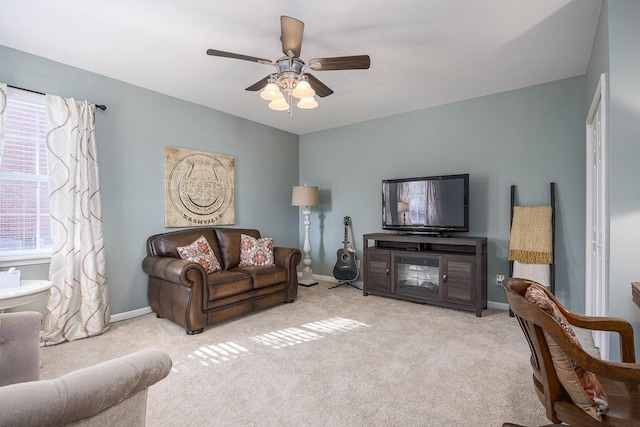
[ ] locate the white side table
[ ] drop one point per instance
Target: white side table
(29, 291)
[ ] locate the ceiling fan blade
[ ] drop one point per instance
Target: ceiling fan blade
(358, 62)
(259, 85)
(321, 89)
(291, 36)
(224, 54)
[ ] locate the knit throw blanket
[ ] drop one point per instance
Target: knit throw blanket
(540, 273)
(531, 237)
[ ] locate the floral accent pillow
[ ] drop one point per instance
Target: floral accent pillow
(257, 252)
(200, 252)
(582, 386)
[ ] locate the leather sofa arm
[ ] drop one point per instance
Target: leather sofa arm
(174, 270)
(288, 258)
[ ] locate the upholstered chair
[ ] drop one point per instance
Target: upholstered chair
(107, 394)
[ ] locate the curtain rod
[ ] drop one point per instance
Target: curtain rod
(99, 106)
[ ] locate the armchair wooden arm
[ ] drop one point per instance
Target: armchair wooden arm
(628, 372)
(620, 380)
(610, 324)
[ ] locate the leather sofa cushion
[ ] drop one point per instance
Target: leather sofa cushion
(223, 284)
(249, 298)
(264, 276)
(166, 244)
(229, 242)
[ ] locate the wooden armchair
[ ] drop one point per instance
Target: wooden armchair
(620, 380)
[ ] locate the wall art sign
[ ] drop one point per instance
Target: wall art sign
(199, 188)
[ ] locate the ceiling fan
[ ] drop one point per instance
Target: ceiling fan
(290, 78)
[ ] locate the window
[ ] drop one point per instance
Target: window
(24, 184)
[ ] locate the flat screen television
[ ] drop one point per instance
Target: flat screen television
(435, 204)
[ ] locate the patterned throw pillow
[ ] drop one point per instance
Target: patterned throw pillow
(258, 252)
(200, 252)
(582, 386)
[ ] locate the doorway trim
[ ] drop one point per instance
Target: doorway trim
(597, 213)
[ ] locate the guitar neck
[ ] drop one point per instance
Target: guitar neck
(347, 223)
(345, 241)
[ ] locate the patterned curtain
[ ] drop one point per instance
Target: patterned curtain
(79, 303)
(3, 107)
(433, 203)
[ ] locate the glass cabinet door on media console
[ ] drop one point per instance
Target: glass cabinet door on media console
(417, 275)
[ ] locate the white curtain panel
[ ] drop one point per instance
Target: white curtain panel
(3, 108)
(79, 303)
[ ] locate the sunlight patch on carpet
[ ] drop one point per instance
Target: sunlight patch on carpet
(312, 331)
(215, 354)
(218, 353)
(335, 325)
(285, 337)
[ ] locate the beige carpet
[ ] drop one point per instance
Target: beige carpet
(332, 358)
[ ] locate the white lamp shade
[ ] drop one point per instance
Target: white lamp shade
(271, 92)
(403, 207)
(303, 90)
(279, 105)
(305, 196)
(307, 103)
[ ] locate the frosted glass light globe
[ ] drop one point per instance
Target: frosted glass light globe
(303, 90)
(307, 103)
(279, 104)
(271, 92)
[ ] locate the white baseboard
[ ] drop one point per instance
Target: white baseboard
(131, 314)
(325, 278)
(331, 279)
(319, 277)
(498, 305)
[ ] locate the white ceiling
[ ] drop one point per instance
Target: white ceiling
(423, 52)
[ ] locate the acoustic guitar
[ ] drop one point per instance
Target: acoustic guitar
(346, 268)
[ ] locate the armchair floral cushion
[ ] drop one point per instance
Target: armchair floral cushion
(582, 385)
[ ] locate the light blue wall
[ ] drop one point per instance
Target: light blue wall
(624, 120)
(131, 136)
(527, 137)
(599, 60)
(616, 52)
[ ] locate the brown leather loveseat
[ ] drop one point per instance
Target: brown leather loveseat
(183, 292)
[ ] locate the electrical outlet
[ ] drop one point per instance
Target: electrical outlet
(358, 264)
(499, 279)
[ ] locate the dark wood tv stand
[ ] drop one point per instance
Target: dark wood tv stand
(444, 271)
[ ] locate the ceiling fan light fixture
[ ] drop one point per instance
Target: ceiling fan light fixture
(279, 105)
(307, 103)
(271, 92)
(303, 90)
(290, 79)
